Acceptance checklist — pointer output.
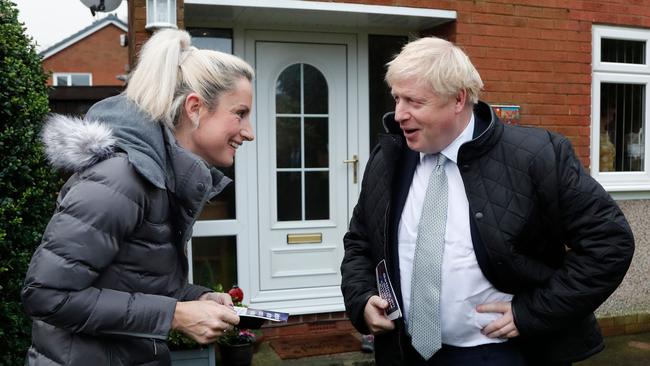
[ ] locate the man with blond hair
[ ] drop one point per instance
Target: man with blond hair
(498, 244)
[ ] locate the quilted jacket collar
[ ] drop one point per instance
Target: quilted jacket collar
(487, 131)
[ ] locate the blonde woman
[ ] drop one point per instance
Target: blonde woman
(109, 280)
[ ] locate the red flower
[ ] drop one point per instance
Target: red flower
(236, 294)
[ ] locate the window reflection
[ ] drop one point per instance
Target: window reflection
(288, 142)
(317, 196)
(214, 261)
(622, 141)
(289, 197)
(302, 144)
(316, 90)
(622, 51)
(222, 207)
(316, 143)
(216, 39)
(381, 49)
(287, 91)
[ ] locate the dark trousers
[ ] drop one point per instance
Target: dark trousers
(494, 354)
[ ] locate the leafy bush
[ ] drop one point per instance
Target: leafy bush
(27, 185)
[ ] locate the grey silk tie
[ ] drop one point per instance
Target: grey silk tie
(424, 314)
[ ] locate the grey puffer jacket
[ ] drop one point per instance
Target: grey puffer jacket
(103, 285)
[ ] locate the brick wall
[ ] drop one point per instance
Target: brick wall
(536, 54)
(138, 20)
(625, 324)
(329, 323)
(99, 53)
(325, 323)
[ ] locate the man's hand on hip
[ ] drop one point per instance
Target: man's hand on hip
(504, 327)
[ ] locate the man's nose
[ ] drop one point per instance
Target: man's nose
(401, 114)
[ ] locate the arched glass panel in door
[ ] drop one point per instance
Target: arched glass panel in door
(302, 144)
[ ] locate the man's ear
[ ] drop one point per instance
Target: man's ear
(192, 108)
(461, 99)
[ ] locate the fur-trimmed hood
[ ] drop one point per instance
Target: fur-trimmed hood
(113, 124)
(74, 144)
(117, 124)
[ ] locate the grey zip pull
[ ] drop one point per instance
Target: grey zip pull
(155, 349)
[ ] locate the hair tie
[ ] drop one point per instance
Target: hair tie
(185, 54)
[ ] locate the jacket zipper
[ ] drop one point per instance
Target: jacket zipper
(386, 216)
(387, 259)
(155, 349)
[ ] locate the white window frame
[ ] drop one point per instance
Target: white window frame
(619, 73)
(68, 75)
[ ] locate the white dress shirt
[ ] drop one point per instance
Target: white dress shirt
(463, 284)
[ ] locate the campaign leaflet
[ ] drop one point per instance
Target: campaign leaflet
(386, 291)
(275, 316)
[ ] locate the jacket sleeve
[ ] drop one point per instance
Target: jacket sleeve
(600, 247)
(192, 292)
(80, 241)
(358, 282)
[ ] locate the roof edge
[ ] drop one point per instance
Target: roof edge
(97, 25)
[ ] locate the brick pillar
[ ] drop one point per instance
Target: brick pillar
(138, 35)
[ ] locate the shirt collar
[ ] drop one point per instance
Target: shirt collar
(451, 151)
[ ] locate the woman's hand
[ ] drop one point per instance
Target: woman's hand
(203, 321)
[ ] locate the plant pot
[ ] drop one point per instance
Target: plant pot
(236, 355)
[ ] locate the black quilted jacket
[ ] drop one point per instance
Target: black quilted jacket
(542, 228)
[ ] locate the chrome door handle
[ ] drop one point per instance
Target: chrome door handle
(355, 164)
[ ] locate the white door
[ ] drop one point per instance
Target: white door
(302, 109)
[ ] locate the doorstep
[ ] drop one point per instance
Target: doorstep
(266, 356)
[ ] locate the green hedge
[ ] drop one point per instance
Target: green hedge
(27, 186)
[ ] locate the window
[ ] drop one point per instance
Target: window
(213, 250)
(302, 156)
(72, 79)
(212, 39)
(221, 207)
(381, 49)
(621, 76)
(214, 261)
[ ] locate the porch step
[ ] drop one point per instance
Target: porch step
(266, 356)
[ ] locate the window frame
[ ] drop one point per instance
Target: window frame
(619, 73)
(222, 227)
(69, 75)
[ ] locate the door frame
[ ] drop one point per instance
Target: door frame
(297, 301)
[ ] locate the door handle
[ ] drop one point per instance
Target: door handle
(355, 165)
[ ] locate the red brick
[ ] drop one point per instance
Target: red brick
(323, 316)
(99, 53)
(339, 315)
(292, 330)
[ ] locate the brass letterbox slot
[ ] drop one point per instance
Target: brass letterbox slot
(304, 238)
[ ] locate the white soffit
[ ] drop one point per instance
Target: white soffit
(312, 14)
